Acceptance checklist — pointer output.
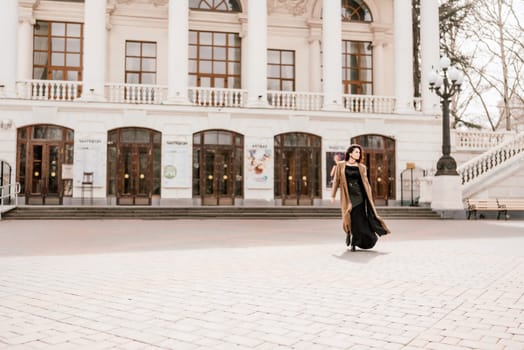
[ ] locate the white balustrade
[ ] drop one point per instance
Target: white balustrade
(479, 140)
(55, 90)
(217, 97)
(136, 93)
(201, 96)
(495, 157)
(369, 103)
(293, 100)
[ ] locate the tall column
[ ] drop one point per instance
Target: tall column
(314, 63)
(177, 69)
(257, 53)
(403, 56)
(95, 48)
(8, 38)
(429, 52)
(332, 54)
(25, 47)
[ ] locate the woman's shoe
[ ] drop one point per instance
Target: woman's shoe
(353, 248)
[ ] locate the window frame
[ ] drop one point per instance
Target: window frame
(364, 49)
(197, 61)
(48, 67)
(281, 80)
(350, 11)
(215, 5)
(140, 72)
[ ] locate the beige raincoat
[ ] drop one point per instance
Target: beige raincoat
(345, 202)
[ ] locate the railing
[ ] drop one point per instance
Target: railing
(55, 90)
(491, 159)
(58, 90)
(216, 97)
(8, 197)
(480, 140)
(136, 93)
(369, 103)
(308, 101)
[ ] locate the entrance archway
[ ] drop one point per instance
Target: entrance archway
(133, 165)
(42, 150)
(379, 157)
(218, 173)
(298, 168)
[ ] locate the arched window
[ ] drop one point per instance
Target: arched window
(218, 173)
(356, 11)
(215, 5)
(298, 168)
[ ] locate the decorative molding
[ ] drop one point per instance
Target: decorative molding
(33, 4)
(26, 17)
(26, 11)
(153, 2)
(294, 7)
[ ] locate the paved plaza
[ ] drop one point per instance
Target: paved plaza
(260, 284)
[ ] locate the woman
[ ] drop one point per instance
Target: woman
(360, 220)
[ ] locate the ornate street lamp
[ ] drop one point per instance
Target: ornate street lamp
(445, 84)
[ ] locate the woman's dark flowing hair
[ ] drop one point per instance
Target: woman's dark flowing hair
(350, 149)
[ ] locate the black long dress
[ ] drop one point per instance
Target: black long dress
(362, 234)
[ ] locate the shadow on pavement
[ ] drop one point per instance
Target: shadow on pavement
(359, 256)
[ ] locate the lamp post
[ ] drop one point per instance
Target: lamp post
(445, 84)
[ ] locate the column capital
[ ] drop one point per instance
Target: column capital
(26, 11)
(110, 8)
(315, 31)
(33, 4)
(27, 18)
(242, 18)
(314, 38)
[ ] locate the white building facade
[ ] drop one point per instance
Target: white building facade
(186, 102)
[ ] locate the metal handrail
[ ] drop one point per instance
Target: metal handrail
(8, 192)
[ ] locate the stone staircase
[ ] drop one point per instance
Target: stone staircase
(173, 213)
(492, 166)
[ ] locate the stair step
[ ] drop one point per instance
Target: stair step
(167, 213)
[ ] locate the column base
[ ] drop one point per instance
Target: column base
(178, 100)
(92, 97)
(447, 193)
(333, 107)
(405, 110)
(8, 92)
(260, 102)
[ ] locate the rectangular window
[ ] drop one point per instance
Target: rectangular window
(140, 62)
(214, 59)
(281, 70)
(57, 51)
(357, 67)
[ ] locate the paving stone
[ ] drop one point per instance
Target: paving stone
(422, 291)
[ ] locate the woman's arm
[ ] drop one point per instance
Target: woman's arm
(336, 183)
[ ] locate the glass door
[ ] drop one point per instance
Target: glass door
(217, 177)
(45, 176)
(297, 177)
(297, 168)
(134, 174)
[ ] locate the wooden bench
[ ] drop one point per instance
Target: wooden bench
(476, 205)
(510, 204)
